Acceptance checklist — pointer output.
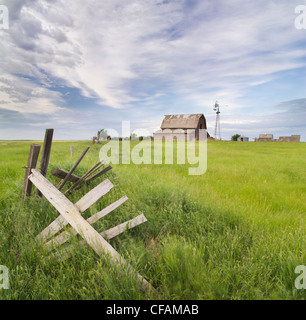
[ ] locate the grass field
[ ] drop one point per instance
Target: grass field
(236, 232)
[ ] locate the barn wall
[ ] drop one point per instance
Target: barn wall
(170, 136)
(177, 135)
(293, 138)
(202, 122)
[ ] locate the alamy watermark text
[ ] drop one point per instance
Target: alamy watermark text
(300, 281)
(190, 147)
(4, 17)
(300, 20)
(4, 277)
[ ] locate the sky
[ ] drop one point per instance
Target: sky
(79, 66)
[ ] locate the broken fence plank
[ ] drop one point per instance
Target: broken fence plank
(77, 184)
(99, 166)
(108, 235)
(72, 215)
(97, 216)
(113, 232)
(83, 204)
(61, 173)
(66, 235)
(94, 195)
(99, 174)
(73, 168)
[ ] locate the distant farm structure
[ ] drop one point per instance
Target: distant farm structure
(181, 127)
(243, 138)
(265, 137)
(292, 138)
(269, 137)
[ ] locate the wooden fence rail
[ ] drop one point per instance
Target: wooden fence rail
(71, 214)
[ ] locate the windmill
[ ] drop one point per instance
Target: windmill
(217, 125)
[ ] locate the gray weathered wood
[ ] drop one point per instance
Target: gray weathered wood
(108, 235)
(97, 216)
(94, 195)
(99, 174)
(61, 173)
(66, 235)
(113, 232)
(97, 167)
(83, 204)
(45, 155)
(32, 162)
(71, 214)
(77, 183)
(73, 168)
(71, 151)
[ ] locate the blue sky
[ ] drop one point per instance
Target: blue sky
(79, 66)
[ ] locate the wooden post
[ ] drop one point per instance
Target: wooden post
(45, 156)
(73, 168)
(71, 151)
(32, 161)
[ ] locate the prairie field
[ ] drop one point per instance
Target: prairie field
(236, 232)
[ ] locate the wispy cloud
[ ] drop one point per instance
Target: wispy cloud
(151, 54)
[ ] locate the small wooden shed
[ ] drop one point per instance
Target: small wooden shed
(243, 138)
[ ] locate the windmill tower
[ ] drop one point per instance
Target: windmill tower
(217, 125)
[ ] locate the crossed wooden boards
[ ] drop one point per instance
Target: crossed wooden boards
(71, 214)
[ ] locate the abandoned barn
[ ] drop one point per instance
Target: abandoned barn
(181, 127)
(269, 137)
(292, 138)
(265, 137)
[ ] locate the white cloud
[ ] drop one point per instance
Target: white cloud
(109, 49)
(22, 95)
(161, 56)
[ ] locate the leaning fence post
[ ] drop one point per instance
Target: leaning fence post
(73, 168)
(32, 161)
(45, 156)
(88, 173)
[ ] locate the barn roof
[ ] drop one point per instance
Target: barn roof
(266, 136)
(181, 121)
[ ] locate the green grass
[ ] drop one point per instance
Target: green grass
(236, 232)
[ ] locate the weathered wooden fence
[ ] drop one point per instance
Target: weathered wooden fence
(71, 214)
(52, 237)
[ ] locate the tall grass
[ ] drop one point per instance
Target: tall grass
(236, 232)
